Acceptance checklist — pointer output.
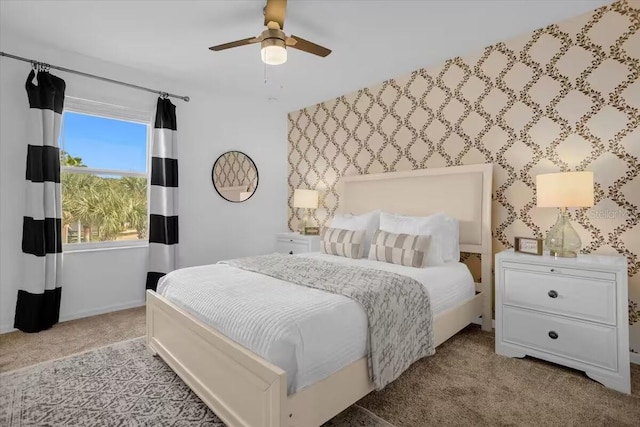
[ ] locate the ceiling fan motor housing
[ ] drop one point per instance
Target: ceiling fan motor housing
(273, 38)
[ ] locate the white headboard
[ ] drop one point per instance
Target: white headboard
(463, 192)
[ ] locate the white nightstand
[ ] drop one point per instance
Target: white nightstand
(570, 311)
(296, 243)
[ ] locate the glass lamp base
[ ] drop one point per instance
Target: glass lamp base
(563, 240)
(303, 223)
(563, 254)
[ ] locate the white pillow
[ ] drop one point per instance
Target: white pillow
(451, 239)
(369, 221)
(443, 229)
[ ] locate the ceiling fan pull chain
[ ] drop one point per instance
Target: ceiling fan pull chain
(265, 74)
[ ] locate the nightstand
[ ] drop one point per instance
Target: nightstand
(570, 311)
(296, 243)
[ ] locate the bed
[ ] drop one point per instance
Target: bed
(245, 389)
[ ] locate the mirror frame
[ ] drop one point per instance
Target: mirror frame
(213, 168)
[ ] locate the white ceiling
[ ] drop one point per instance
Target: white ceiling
(372, 40)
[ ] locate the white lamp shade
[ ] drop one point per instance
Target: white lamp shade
(565, 190)
(274, 55)
(305, 199)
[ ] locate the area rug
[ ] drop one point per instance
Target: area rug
(117, 385)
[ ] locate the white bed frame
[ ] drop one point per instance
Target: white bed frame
(244, 389)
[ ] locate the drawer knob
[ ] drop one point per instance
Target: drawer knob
(553, 270)
(290, 252)
(553, 335)
(553, 294)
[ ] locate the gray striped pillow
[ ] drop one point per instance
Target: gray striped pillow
(403, 249)
(346, 243)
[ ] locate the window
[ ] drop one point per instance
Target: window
(104, 175)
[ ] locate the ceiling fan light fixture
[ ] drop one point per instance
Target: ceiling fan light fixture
(274, 51)
(273, 40)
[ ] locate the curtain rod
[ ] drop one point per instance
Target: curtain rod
(93, 76)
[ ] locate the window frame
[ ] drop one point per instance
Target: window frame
(115, 112)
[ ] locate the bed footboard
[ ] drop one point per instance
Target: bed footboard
(239, 386)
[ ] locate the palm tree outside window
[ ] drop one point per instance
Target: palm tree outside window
(104, 175)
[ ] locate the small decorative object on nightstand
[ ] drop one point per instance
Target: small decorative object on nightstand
(570, 311)
(295, 243)
(528, 245)
(312, 231)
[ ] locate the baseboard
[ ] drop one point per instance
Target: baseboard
(478, 321)
(101, 310)
(84, 313)
(7, 327)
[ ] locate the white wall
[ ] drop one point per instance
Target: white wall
(210, 227)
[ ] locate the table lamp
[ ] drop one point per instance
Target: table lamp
(564, 190)
(305, 199)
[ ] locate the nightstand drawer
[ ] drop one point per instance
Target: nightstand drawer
(569, 295)
(291, 246)
(561, 271)
(294, 243)
(581, 341)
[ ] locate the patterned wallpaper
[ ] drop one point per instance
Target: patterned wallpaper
(562, 98)
(233, 169)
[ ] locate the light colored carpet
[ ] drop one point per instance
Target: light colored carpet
(118, 385)
(466, 383)
(18, 349)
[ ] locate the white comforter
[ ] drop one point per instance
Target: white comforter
(308, 333)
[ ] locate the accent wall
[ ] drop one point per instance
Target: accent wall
(562, 98)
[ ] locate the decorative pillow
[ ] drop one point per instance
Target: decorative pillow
(341, 242)
(369, 221)
(443, 229)
(403, 249)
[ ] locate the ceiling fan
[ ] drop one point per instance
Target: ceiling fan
(273, 40)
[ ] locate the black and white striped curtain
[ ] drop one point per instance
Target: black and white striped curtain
(38, 305)
(163, 197)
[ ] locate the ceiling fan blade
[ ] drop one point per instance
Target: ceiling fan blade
(275, 11)
(307, 46)
(236, 43)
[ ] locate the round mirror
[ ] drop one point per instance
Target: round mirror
(235, 176)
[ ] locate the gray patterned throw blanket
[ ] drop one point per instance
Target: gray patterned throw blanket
(398, 307)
